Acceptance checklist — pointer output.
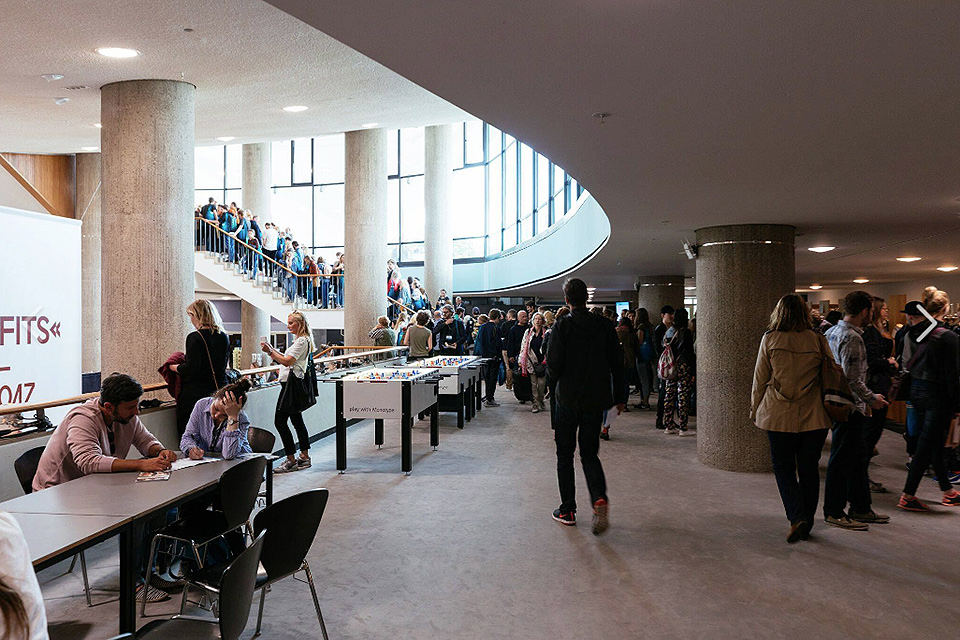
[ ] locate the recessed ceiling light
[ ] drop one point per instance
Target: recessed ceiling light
(908, 258)
(90, 148)
(226, 297)
(821, 249)
(369, 125)
(61, 100)
(947, 269)
(118, 52)
(226, 138)
(295, 108)
(816, 286)
(51, 77)
(690, 288)
(98, 125)
(861, 281)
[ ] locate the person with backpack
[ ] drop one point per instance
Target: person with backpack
(786, 402)
(645, 357)
(934, 370)
(677, 367)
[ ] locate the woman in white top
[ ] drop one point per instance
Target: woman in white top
(293, 362)
(22, 616)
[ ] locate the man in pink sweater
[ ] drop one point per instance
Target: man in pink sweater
(95, 437)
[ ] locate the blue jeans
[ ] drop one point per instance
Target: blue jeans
(847, 479)
(933, 422)
(796, 466)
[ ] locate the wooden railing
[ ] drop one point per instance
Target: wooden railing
(320, 358)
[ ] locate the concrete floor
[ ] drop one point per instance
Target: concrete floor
(465, 548)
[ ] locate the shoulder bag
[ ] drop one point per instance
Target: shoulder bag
(838, 400)
(667, 366)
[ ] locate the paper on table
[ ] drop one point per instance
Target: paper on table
(185, 463)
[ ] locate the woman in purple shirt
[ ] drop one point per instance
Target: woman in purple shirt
(218, 425)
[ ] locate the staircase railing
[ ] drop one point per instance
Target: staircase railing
(313, 290)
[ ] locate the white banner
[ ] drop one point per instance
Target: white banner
(40, 348)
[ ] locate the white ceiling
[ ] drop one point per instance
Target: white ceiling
(839, 118)
(247, 59)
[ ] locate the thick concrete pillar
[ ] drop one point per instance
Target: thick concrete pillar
(365, 242)
(438, 230)
(742, 270)
(654, 292)
(147, 145)
(88, 211)
(254, 322)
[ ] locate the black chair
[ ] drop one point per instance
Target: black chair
(26, 468)
(238, 487)
(235, 596)
(261, 440)
(290, 526)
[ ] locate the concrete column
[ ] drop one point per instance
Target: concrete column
(365, 242)
(654, 292)
(147, 144)
(255, 323)
(438, 230)
(742, 270)
(88, 211)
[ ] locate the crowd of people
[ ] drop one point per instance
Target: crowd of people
(264, 252)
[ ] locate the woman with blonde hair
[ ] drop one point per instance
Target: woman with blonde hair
(204, 369)
(787, 404)
(533, 359)
(297, 391)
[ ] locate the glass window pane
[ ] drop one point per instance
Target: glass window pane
(328, 159)
(510, 237)
(510, 188)
(494, 204)
(411, 151)
(468, 248)
(393, 152)
(411, 252)
(302, 161)
(543, 180)
(291, 207)
(574, 192)
(558, 206)
(208, 168)
(543, 218)
(202, 195)
(508, 140)
(473, 141)
(328, 216)
(393, 210)
(393, 252)
(468, 197)
(412, 209)
(527, 178)
(526, 228)
(233, 195)
(494, 141)
(280, 160)
(234, 166)
(557, 179)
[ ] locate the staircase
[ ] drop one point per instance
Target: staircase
(260, 292)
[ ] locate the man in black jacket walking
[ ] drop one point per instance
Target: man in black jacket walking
(586, 361)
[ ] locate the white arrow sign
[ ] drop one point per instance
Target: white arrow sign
(933, 323)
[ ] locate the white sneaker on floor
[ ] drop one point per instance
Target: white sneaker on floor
(687, 432)
(670, 431)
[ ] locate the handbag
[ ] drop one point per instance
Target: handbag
(540, 369)
(667, 366)
(299, 394)
(838, 400)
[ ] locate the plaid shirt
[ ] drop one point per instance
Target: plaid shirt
(846, 342)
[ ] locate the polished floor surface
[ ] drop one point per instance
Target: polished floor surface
(465, 548)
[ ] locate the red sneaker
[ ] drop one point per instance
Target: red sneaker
(951, 501)
(912, 504)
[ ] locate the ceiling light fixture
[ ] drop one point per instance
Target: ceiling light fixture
(226, 138)
(821, 249)
(908, 259)
(297, 108)
(90, 148)
(118, 52)
(690, 288)
(61, 100)
(815, 287)
(369, 125)
(51, 77)
(947, 269)
(861, 280)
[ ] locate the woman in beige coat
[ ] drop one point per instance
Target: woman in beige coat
(787, 404)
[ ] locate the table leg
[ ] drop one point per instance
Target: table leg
(269, 482)
(128, 604)
(406, 443)
(378, 431)
(478, 392)
(435, 425)
(341, 431)
(460, 405)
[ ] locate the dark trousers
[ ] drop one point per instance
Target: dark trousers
(933, 421)
(872, 430)
(846, 472)
(796, 466)
(661, 400)
(491, 376)
(280, 422)
(583, 428)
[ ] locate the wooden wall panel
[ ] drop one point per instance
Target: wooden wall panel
(53, 176)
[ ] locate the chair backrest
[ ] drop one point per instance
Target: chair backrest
(239, 486)
(261, 440)
(291, 526)
(26, 467)
(236, 590)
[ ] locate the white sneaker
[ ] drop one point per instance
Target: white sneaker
(687, 432)
(670, 431)
(287, 466)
